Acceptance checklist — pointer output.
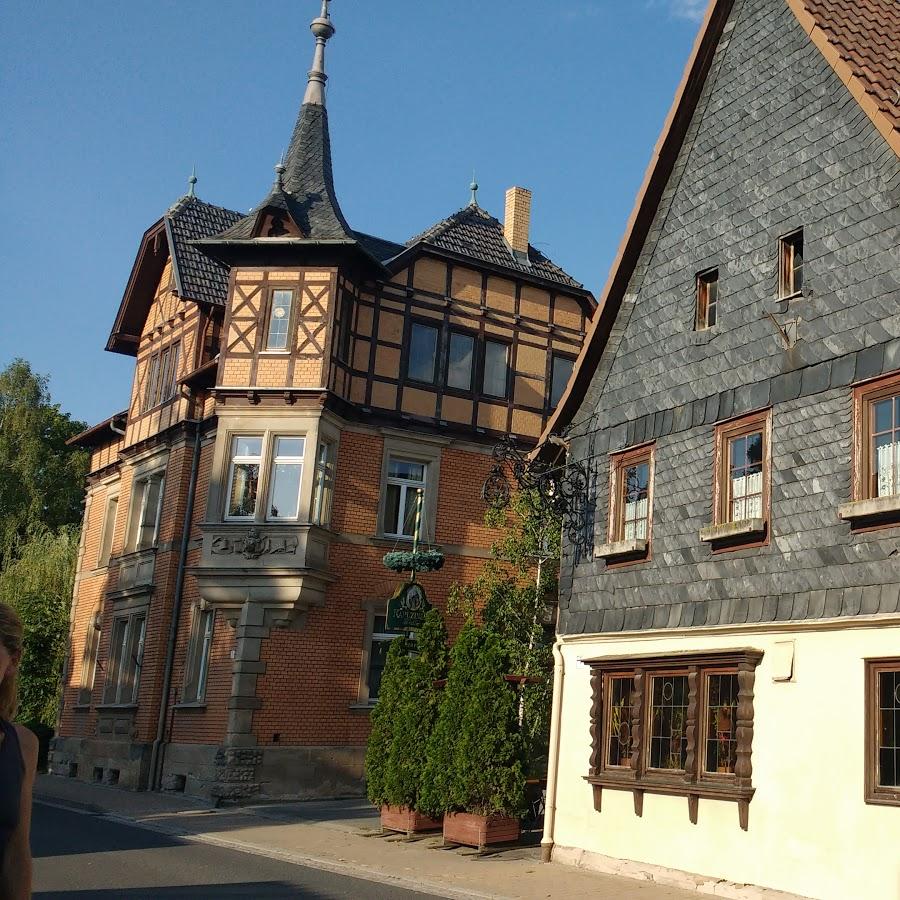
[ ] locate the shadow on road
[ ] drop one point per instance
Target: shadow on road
(247, 889)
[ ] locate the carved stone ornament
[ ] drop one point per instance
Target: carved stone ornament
(253, 544)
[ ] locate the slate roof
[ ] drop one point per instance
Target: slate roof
(197, 277)
(306, 190)
(474, 232)
(381, 248)
(866, 36)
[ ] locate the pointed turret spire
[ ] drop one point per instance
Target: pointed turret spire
(323, 30)
(192, 181)
(473, 187)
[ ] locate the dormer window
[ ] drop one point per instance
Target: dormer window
(279, 319)
(707, 299)
(790, 269)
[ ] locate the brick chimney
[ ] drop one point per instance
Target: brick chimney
(517, 219)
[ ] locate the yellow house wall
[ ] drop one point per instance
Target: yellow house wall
(810, 831)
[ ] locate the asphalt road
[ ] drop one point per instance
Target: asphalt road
(81, 855)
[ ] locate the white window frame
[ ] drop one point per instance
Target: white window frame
(108, 531)
(271, 317)
(199, 652)
(233, 460)
(273, 459)
(89, 658)
(140, 509)
(323, 483)
(405, 485)
(426, 451)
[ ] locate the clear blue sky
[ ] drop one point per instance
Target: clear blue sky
(107, 105)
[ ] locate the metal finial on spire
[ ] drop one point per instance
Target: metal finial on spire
(473, 187)
(279, 173)
(322, 28)
(192, 181)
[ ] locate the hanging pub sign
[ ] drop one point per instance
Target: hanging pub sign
(406, 609)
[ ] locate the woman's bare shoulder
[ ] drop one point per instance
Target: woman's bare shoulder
(29, 744)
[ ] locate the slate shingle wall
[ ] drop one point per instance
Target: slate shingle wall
(776, 143)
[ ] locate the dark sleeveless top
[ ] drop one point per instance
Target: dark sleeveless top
(12, 769)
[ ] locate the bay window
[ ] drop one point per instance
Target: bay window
(243, 476)
(286, 475)
(675, 725)
(323, 488)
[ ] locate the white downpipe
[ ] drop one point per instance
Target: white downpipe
(553, 760)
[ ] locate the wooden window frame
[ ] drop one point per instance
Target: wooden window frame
(436, 326)
(267, 319)
(864, 398)
(787, 275)
(162, 377)
(615, 528)
(726, 533)
(89, 658)
(323, 483)
(196, 670)
(114, 686)
(137, 515)
(473, 369)
(108, 530)
(482, 363)
(876, 794)
(554, 355)
(693, 781)
(701, 317)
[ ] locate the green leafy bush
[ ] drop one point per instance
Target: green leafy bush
(418, 561)
(394, 687)
(475, 756)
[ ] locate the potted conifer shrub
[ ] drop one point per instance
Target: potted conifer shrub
(475, 773)
(414, 719)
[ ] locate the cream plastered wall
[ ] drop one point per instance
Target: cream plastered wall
(810, 831)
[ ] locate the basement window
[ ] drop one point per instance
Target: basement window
(790, 268)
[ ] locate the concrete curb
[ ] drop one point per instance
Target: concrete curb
(419, 885)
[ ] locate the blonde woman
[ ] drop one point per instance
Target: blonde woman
(18, 761)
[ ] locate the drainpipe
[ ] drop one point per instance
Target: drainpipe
(553, 761)
(156, 753)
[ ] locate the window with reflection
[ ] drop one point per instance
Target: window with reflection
(631, 500)
(323, 489)
(460, 360)
(884, 444)
(405, 484)
(243, 476)
(285, 478)
(883, 731)
(278, 333)
(423, 348)
(742, 476)
(561, 371)
(495, 378)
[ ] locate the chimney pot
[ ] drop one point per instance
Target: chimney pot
(517, 219)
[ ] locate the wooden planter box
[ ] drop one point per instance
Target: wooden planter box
(406, 820)
(479, 831)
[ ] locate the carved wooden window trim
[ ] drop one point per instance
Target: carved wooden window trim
(692, 781)
(876, 793)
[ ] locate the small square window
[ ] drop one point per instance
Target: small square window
(707, 299)
(790, 267)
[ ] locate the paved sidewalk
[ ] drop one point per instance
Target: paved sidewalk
(344, 836)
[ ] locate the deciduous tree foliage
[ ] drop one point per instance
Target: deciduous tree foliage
(41, 479)
(38, 583)
(513, 596)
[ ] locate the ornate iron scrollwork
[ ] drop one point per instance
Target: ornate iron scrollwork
(563, 487)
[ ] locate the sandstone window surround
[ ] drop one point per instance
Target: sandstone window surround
(148, 489)
(790, 265)
(630, 519)
(401, 460)
(678, 724)
(883, 731)
(741, 482)
(876, 454)
(279, 319)
(323, 485)
(199, 648)
(707, 308)
(108, 530)
(161, 376)
(126, 656)
(375, 645)
(89, 658)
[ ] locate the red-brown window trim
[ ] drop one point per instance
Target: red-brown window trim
(619, 461)
(704, 280)
(693, 781)
(875, 793)
(787, 285)
(724, 433)
(864, 396)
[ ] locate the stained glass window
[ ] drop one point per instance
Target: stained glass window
(721, 723)
(668, 722)
(618, 722)
(887, 734)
